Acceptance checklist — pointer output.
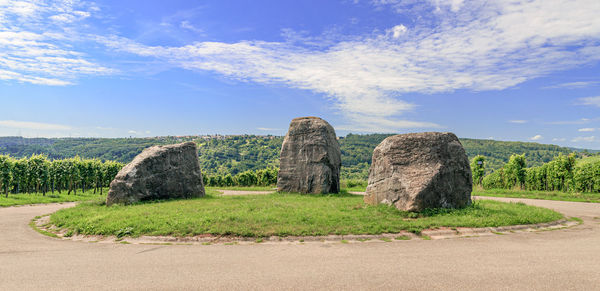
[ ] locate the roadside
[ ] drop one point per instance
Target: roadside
(541, 260)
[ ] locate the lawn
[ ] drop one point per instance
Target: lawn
(511, 193)
(242, 188)
(38, 198)
(283, 215)
(554, 195)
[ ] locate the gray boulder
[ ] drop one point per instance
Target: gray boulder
(159, 172)
(310, 158)
(420, 170)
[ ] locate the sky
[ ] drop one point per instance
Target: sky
(503, 70)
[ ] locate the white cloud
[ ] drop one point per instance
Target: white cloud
(397, 31)
(436, 6)
(132, 132)
(536, 137)
(574, 85)
(571, 122)
(33, 125)
(587, 129)
(187, 25)
(483, 47)
(559, 139)
(37, 51)
(591, 101)
(518, 121)
(584, 139)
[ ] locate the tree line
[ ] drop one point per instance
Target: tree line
(39, 174)
(564, 173)
(222, 155)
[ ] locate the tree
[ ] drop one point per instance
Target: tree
(514, 171)
(6, 165)
(494, 180)
(478, 169)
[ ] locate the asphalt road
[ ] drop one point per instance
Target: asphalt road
(567, 259)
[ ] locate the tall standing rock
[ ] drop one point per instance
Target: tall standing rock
(159, 172)
(310, 158)
(420, 170)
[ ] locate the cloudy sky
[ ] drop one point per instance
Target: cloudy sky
(505, 70)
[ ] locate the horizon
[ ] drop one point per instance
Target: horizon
(491, 70)
(277, 136)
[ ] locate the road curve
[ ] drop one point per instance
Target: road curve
(548, 260)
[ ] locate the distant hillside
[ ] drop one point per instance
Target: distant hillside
(234, 154)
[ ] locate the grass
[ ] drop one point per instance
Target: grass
(283, 215)
(403, 237)
(353, 185)
(39, 198)
(249, 188)
(34, 226)
(355, 189)
(555, 195)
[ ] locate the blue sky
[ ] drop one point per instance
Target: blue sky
(505, 70)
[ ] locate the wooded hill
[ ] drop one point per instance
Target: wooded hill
(235, 154)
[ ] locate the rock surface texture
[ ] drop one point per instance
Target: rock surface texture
(159, 172)
(310, 158)
(420, 170)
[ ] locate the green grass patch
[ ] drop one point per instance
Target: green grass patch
(426, 237)
(555, 195)
(355, 189)
(576, 219)
(240, 188)
(39, 198)
(34, 226)
(283, 215)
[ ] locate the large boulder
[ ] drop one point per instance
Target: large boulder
(310, 158)
(420, 170)
(159, 172)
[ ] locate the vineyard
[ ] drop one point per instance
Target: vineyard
(39, 174)
(264, 177)
(565, 173)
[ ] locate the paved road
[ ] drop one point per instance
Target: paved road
(552, 260)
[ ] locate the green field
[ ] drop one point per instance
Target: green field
(283, 215)
(240, 188)
(545, 195)
(39, 198)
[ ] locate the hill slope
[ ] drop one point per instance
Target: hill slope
(234, 154)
